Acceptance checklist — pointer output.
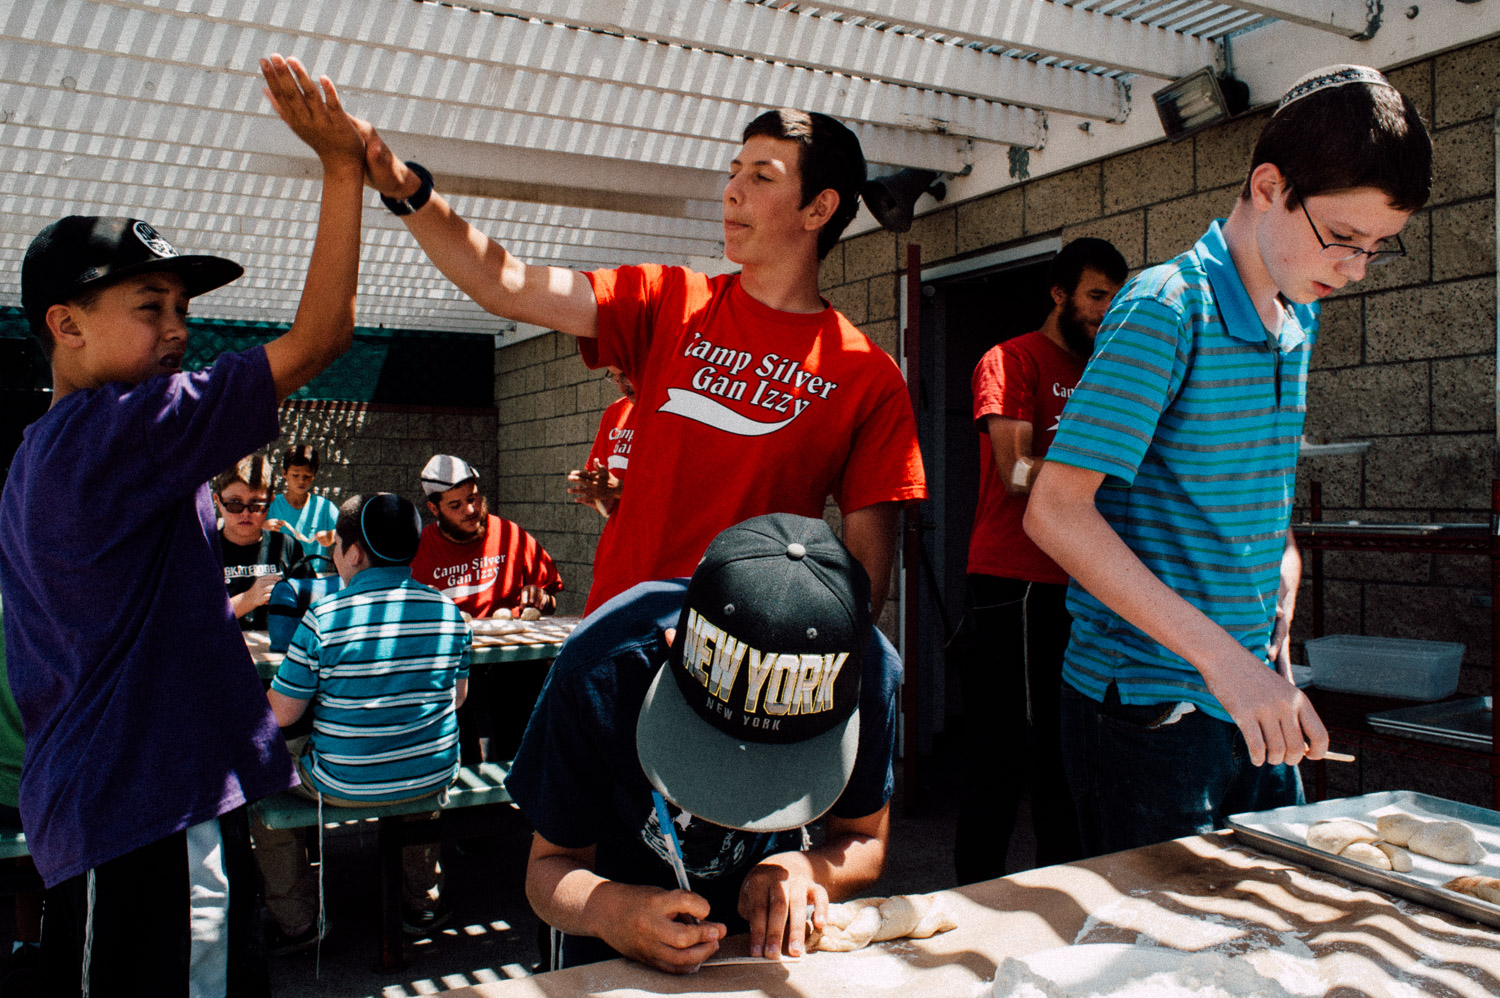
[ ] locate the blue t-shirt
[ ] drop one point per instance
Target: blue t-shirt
(579, 782)
(379, 660)
(1193, 413)
(319, 514)
(143, 712)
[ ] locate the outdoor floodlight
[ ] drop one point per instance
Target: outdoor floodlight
(1198, 100)
(891, 199)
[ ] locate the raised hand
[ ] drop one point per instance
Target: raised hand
(312, 110)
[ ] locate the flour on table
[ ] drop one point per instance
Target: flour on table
(1200, 975)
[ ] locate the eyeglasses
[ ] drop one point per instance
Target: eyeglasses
(1340, 251)
(239, 506)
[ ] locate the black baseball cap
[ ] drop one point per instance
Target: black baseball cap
(79, 252)
(753, 721)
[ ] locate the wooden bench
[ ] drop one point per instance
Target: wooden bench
(476, 786)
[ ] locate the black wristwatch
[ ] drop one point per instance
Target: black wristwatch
(407, 205)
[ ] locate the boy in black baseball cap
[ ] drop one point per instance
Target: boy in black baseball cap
(147, 728)
(713, 719)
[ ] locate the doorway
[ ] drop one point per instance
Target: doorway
(967, 308)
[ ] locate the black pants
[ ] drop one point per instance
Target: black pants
(1010, 653)
(141, 943)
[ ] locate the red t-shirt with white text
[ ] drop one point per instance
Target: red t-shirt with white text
(483, 576)
(740, 410)
(612, 441)
(1027, 378)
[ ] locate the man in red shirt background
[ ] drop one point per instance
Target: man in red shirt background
(599, 482)
(1016, 619)
(481, 561)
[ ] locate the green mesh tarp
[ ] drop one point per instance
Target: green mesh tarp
(399, 366)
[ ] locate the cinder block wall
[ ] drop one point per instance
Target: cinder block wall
(371, 447)
(1406, 358)
(549, 407)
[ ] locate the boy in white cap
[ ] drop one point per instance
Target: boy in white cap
(1167, 491)
(483, 562)
(147, 731)
(713, 718)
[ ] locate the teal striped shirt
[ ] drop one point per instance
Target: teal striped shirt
(379, 660)
(1193, 413)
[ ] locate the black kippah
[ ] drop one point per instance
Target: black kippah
(390, 527)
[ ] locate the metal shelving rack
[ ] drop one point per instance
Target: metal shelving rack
(1347, 711)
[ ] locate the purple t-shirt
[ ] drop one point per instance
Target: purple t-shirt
(143, 712)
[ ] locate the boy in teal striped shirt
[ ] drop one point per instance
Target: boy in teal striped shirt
(384, 665)
(1167, 491)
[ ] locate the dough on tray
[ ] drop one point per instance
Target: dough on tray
(1448, 841)
(1367, 853)
(1483, 888)
(1399, 857)
(1397, 828)
(1336, 834)
(531, 613)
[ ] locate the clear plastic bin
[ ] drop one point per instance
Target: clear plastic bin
(1387, 667)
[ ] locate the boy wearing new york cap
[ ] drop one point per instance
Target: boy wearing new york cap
(753, 698)
(147, 733)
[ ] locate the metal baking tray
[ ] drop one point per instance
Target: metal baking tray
(1283, 832)
(1463, 723)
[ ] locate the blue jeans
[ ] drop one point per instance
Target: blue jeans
(1138, 777)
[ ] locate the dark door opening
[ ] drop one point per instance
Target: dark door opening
(962, 317)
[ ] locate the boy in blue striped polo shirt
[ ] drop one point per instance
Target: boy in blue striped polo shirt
(1167, 491)
(384, 665)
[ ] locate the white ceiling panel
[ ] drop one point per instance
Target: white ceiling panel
(587, 133)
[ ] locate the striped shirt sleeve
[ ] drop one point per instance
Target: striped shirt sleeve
(297, 676)
(1137, 369)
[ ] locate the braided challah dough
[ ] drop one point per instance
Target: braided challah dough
(854, 925)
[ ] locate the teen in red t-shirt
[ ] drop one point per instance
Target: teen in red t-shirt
(487, 573)
(742, 410)
(1016, 621)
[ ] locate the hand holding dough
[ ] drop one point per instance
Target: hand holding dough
(1337, 834)
(853, 925)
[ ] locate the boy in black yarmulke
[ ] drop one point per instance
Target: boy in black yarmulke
(384, 665)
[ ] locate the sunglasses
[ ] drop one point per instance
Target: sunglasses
(238, 506)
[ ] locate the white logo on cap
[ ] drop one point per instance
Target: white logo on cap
(153, 240)
(779, 683)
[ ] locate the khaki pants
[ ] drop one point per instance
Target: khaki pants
(291, 886)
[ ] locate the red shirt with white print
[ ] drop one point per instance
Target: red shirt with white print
(741, 410)
(1028, 378)
(612, 442)
(484, 575)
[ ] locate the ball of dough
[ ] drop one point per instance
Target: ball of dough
(1368, 854)
(502, 614)
(1397, 828)
(1448, 841)
(1335, 834)
(1483, 888)
(1400, 858)
(531, 613)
